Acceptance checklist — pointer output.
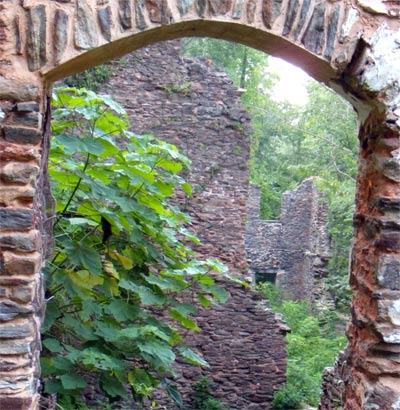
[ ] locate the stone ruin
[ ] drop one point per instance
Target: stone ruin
(292, 252)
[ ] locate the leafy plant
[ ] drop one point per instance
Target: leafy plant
(92, 78)
(119, 255)
(287, 398)
(203, 399)
(311, 346)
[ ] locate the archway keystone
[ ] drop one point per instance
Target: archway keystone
(352, 46)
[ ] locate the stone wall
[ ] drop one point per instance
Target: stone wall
(294, 251)
(191, 104)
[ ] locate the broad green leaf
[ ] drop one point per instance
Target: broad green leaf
(192, 357)
(53, 345)
(218, 292)
(161, 352)
(122, 310)
(84, 256)
(175, 395)
(112, 386)
(183, 320)
(147, 296)
(53, 386)
(72, 381)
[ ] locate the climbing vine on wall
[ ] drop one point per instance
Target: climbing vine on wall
(119, 254)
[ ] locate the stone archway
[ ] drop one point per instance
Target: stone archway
(351, 46)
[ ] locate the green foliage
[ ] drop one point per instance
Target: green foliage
(119, 254)
(203, 399)
(92, 78)
(287, 398)
(311, 346)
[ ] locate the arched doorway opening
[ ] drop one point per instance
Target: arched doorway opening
(374, 275)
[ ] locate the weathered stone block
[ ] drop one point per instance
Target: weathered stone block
(85, 26)
(139, 15)
(22, 135)
(13, 403)
(28, 106)
(8, 197)
(220, 7)
(270, 11)
(17, 91)
(16, 264)
(159, 11)
(20, 242)
(237, 9)
(36, 37)
(314, 35)
(389, 272)
(303, 16)
(19, 172)
(391, 169)
(15, 219)
(16, 331)
(125, 13)
(24, 294)
(61, 20)
(30, 119)
(332, 32)
(290, 16)
(10, 310)
(391, 205)
(389, 240)
(9, 152)
(15, 384)
(105, 21)
(184, 6)
(13, 362)
(251, 10)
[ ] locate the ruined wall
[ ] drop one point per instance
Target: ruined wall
(295, 248)
(189, 103)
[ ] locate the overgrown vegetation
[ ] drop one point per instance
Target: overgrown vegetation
(119, 256)
(311, 346)
(203, 399)
(92, 78)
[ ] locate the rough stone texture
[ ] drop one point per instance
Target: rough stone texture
(61, 20)
(332, 387)
(364, 67)
(178, 99)
(294, 251)
(36, 39)
(15, 219)
(314, 35)
(85, 26)
(125, 13)
(22, 135)
(105, 22)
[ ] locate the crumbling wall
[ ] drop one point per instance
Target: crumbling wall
(191, 104)
(293, 251)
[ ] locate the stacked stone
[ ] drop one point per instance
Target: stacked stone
(244, 373)
(294, 249)
(189, 103)
(20, 245)
(332, 387)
